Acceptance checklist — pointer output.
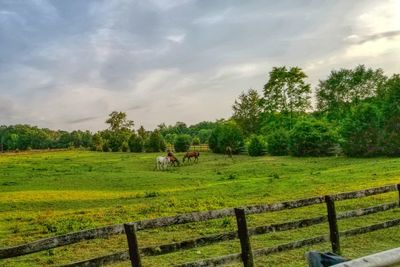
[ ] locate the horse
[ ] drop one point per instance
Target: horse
(174, 161)
(162, 163)
(191, 154)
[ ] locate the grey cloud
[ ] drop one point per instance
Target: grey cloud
(82, 120)
(373, 37)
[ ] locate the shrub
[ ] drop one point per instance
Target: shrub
(136, 143)
(182, 143)
(224, 135)
(278, 142)
(361, 131)
(155, 142)
(257, 146)
(311, 137)
(391, 143)
(196, 141)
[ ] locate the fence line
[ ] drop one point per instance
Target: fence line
(217, 238)
(102, 232)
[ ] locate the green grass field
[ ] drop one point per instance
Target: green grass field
(45, 194)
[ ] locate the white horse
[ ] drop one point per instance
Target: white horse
(162, 163)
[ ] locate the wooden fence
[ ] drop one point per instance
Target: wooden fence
(200, 148)
(247, 255)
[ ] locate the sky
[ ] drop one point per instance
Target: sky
(68, 64)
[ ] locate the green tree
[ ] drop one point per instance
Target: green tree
(310, 137)
(136, 143)
(182, 143)
(278, 142)
(257, 146)
(196, 141)
(142, 132)
(204, 135)
(118, 121)
(391, 113)
(347, 86)
(361, 131)
(224, 135)
(286, 91)
(155, 142)
(246, 111)
(97, 142)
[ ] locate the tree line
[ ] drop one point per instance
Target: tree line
(356, 112)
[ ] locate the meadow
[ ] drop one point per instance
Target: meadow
(44, 194)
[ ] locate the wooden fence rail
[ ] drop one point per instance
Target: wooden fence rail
(102, 232)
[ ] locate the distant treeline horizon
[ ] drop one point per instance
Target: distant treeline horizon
(357, 113)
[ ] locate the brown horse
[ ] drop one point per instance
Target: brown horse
(191, 154)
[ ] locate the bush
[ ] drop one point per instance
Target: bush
(391, 143)
(278, 142)
(196, 141)
(155, 142)
(136, 143)
(310, 137)
(224, 135)
(257, 146)
(361, 131)
(182, 143)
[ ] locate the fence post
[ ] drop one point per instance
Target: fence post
(398, 190)
(247, 254)
(333, 226)
(134, 255)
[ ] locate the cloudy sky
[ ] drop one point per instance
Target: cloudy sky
(67, 64)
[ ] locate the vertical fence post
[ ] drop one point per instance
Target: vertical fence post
(134, 255)
(333, 226)
(247, 254)
(398, 190)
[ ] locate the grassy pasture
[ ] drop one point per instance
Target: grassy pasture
(50, 193)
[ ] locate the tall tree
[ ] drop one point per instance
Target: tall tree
(246, 111)
(119, 121)
(286, 91)
(346, 86)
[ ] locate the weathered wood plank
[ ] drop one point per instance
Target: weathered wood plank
(217, 261)
(134, 254)
(333, 226)
(59, 241)
(101, 261)
(243, 233)
(364, 193)
(371, 228)
(291, 245)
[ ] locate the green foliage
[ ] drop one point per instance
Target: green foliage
(136, 143)
(196, 141)
(170, 138)
(118, 121)
(310, 137)
(278, 142)
(391, 111)
(246, 111)
(361, 131)
(97, 144)
(257, 146)
(155, 142)
(204, 135)
(224, 135)
(346, 86)
(182, 143)
(286, 91)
